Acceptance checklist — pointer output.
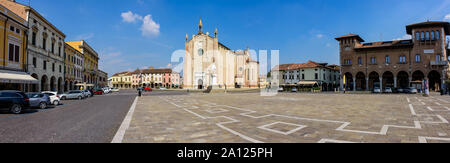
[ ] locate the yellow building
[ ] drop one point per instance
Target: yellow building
(73, 69)
(13, 56)
(90, 61)
(122, 80)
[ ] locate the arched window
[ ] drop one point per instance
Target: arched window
(388, 59)
(428, 36)
(417, 36)
(422, 37)
(432, 35)
(359, 60)
(437, 35)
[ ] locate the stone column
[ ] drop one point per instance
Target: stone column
(367, 84)
(381, 84)
(409, 81)
(395, 82)
(354, 84)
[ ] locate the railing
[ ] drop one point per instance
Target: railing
(438, 63)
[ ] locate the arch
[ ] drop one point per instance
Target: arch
(200, 84)
(374, 80)
(44, 83)
(35, 87)
(52, 83)
(66, 86)
(434, 78)
(60, 85)
(402, 79)
(388, 80)
(361, 81)
(418, 76)
(348, 81)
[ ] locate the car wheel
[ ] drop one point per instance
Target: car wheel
(80, 98)
(56, 103)
(42, 105)
(16, 109)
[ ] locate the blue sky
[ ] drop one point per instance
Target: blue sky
(130, 34)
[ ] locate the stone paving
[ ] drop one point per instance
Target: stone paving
(290, 118)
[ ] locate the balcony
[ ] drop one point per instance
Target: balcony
(438, 63)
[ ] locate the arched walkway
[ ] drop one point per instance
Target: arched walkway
(402, 80)
(35, 87)
(53, 84)
(44, 83)
(360, 82)
(348, 81)
(434, 81)
(374, 80)
(388, 80)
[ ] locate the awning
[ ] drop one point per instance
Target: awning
(84, 85)
(307, 83)
(16, 77)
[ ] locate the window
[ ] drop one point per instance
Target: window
(200, 52)
(53, 48)
(317, 76)
(45, 65)
(360, 61)
(418, 58)
(428, 36)
(422, 36)
(303, 76)
(417, 36)
(60, 69)
(402, 59)
(59, 51)
(388, 59)
(437, 35)
(17, 31)
(34, 62)
(14, 53)
(438, 58)
(373, 60)
(432, 35)
(33, 39)
(44, 44)
(53, 67)
(324, 77)
(11, 28)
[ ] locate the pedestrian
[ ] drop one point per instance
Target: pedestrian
(140, 92)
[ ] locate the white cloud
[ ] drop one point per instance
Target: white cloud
(447, 17)
(319, 35)
(405, 37)
(130, 17)
(149, 27)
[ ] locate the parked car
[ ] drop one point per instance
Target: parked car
(54, 97)
(115, 90)
(39, 100)
(86, 93)
(294, 90)
(73, 95)
(148, 89)
(280, 89)
(163, 88)
(388, 90)
(412, 90)
(376, 90)
(14, 101)
(99, 92)
(400, 90)
(106, 90)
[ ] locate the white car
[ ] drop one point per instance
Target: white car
(377, 90)
(162, 88)
(106, 90)
(115, 90)
(54, 99)
(294, 90)
(388, 90)
(86, 93)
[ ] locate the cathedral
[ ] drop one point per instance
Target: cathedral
(210, 63)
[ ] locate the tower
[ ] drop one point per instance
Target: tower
(200, 26)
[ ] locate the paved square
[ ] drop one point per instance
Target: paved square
(290, 118)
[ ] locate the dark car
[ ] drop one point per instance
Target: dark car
(14, 101)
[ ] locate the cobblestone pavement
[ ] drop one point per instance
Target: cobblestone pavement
(290, 118)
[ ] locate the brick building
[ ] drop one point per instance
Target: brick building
(399, 63)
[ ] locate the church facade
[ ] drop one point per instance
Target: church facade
(210, 63)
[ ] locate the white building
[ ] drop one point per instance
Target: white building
(45, 48)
